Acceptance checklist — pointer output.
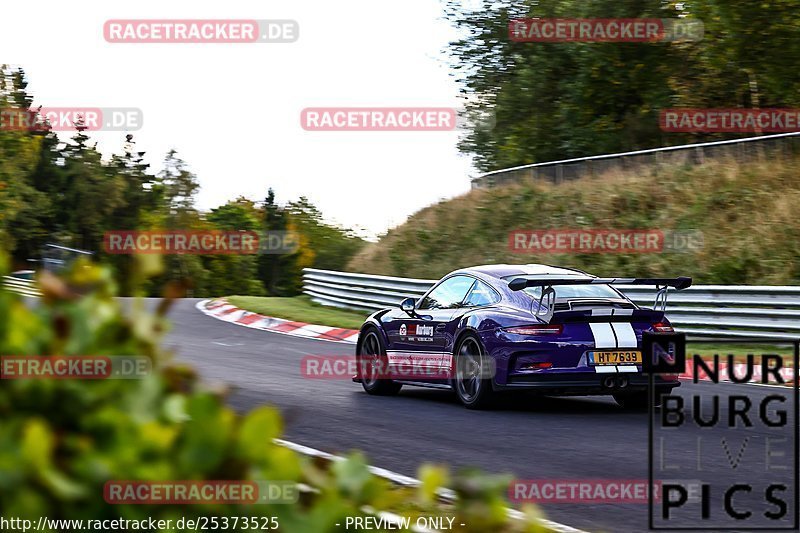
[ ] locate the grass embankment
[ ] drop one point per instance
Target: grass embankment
(301, 309)
(746, 213)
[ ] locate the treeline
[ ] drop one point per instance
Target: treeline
(558, 100)
(64, 193)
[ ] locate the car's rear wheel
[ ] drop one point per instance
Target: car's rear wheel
(372, 364)
(469, 380)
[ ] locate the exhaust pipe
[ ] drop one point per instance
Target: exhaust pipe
(613, 382)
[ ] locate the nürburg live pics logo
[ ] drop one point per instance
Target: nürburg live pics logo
(723, 447)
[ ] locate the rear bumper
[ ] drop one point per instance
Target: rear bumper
(584, 383)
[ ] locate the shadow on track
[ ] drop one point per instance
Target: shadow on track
(523, 402)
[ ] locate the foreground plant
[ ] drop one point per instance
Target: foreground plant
(62, 440)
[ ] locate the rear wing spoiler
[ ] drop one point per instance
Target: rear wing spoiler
(517, 284)
(547, 298)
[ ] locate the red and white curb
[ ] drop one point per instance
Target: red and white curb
(739, 370)
(222, 310)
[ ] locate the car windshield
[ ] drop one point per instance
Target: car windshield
(577, 291)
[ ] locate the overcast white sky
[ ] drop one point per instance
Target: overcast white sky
(233, 110)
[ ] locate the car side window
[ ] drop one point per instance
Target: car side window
(448, 294)
(481, 294)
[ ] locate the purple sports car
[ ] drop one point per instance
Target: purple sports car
(487, 329)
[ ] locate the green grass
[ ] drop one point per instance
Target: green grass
(301, 309)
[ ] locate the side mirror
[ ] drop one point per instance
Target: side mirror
(408, 305)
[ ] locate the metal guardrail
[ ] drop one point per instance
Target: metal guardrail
(569, 169)
(702, 311)
(26, 287)
(360, 291)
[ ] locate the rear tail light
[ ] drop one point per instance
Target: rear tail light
(536, 366)
(548, 329)
(663, 327)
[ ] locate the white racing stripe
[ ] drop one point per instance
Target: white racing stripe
(626, 337)
(605, 369)
(603, 335)
(613, 335)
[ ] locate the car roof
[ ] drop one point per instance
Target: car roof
(502, 271)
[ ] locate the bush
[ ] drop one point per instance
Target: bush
(62, 440)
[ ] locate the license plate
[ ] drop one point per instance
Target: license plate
(615, 357)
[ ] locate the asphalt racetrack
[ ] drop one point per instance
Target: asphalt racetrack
(533, 438)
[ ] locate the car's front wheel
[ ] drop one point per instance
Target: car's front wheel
(373, 364)
(469, 380)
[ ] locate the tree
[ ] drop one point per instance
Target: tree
(271, 266)
(178, 186)
(82, 193)
(559, 100)
(237, 215)
(332, 246)
(63, 192)
(23, 208)
(234, 274)
(139, 206)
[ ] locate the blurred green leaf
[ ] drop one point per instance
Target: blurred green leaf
(258, 429)
(433, 478)
(37, 444)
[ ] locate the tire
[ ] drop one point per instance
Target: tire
(469, 365)
(637, 401)
(372, 350)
